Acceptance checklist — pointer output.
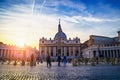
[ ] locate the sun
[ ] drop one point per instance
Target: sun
(21, 42)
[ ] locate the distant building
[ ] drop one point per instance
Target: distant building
(102, 47)
(9, 52)
(60, 45)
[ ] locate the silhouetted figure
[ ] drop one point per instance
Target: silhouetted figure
(38, 59)
(41, 60)
(15, 63)
(76, 55)
(23, 62)
(32, 60)
(48, 60)
(59, 59)
(8, 61)
(65, 60)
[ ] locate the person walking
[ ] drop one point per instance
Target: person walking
(65, 60)
(59, 59)
(48, 60)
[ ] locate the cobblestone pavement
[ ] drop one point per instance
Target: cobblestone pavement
(41, 72)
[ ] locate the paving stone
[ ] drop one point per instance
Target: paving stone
(41, 72)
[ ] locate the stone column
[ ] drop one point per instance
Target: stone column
(61, 51)
(69, 51)
(12, 53)
(78, 51)
(45, 51)
(8, 54)
(50, 50)
(107, 54)
(4, 53)
(54, 51)
(113, 54)
(40, 50)
(74, 51)
(117, 53)
(65, 51)
(0, 53)
(21, 52)
(97, 53)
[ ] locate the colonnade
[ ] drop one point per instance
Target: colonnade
(113, 53)
(11, 53)
(65, 50)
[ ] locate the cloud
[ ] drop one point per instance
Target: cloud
(77, 19)
(18, 19)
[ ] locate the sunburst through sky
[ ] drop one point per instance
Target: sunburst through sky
(23, 22)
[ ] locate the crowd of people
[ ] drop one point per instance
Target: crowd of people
(82, 61)
(48, 60)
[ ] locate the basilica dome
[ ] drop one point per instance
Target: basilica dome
(60, 33)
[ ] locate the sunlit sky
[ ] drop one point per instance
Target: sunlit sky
(26, 21)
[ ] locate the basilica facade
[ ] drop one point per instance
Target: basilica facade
(60, 45)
